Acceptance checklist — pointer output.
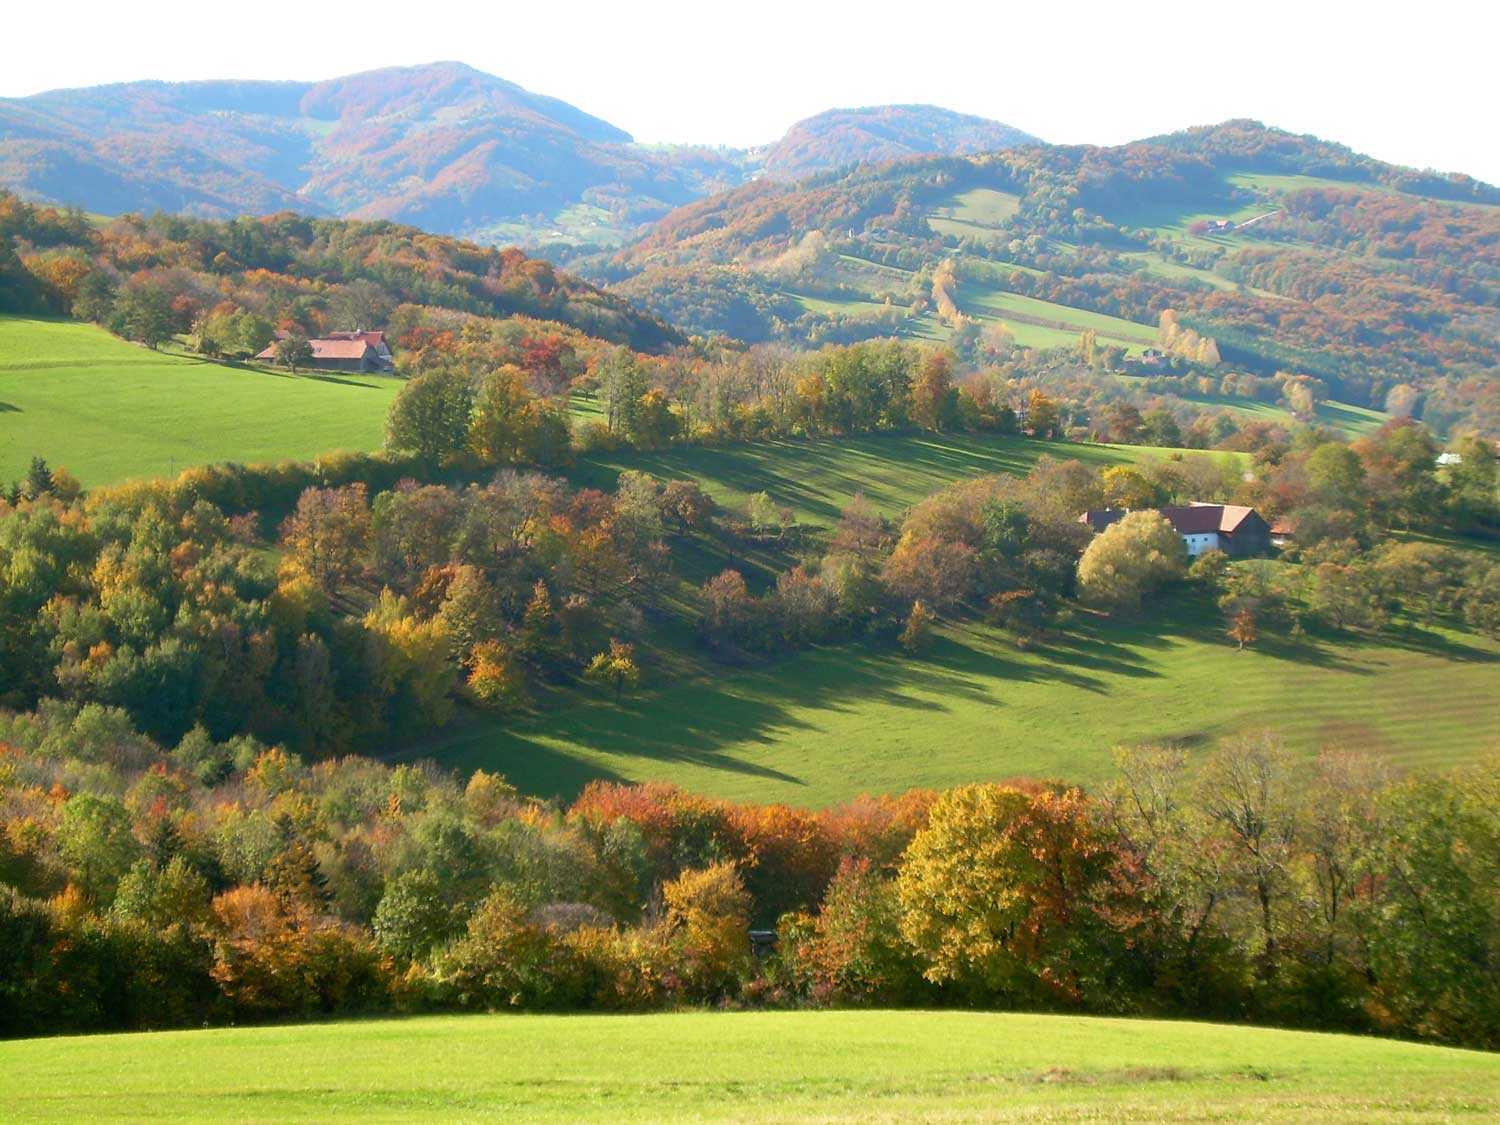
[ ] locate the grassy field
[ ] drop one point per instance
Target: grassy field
(974, 213)
(110, 410)
(1349, 421)
(745, 1066)
(817, 478)
(827, 725)
(1064, 322)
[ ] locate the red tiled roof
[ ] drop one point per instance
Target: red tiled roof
(339, 349)
(1190, 519)
(1198, 519)
(374, 339)
(331, 347)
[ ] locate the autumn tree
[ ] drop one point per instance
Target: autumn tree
(327, 534)
(1242, 629)
(1017, 892)
(1130, 560)
(616, 668)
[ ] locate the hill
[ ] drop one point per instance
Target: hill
(876, 134)
(442, 146)
(1294, 254)
(782, 1065)
(316, 273)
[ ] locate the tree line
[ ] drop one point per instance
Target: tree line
(146, 887)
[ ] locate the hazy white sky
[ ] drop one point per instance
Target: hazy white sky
(1413, 84)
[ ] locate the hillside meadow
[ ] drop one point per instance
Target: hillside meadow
(824, 726)
(816, 479)
(109, 410)
(763, 1066)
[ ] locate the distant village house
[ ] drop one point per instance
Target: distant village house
(1238, 531)
(343, 351)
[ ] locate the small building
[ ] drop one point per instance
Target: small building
(343, 351)
(1449, 458)
(1238, 531)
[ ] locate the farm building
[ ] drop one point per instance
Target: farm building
(344, 351)
(1236, 530)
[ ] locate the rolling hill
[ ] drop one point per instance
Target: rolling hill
(1295, 254)
(784, 1066)
(443, 146)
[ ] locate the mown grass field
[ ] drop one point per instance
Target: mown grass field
(110, 410)
(745, 1066)
(824, 726)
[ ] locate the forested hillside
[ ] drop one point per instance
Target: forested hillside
(152, 277)
(442, 146)
(878, 134)
(1373, 284)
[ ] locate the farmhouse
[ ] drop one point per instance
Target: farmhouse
(1236, 530)
(343, 351)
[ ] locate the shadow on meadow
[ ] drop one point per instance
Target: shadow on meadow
(709, 721)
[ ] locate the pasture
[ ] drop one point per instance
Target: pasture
(826, 725)
(974, 213)
(816, 479)
(109, 410)
(736, 1066)
(1347, 420)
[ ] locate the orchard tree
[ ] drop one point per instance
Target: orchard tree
(293, 350)
(615, 669)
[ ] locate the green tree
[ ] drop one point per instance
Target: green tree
(95, 840)
(144, 314)
(292, 351)
(431, 415)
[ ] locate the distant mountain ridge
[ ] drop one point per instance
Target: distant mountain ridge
(876, 134)
(443, 146)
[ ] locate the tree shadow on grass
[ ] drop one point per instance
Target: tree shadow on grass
(717, 722)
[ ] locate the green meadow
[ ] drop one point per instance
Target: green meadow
(1045, 324)
(1347, 420)
(745, 1066)
(816, 479)
(111, 410)
(976, 212)
(824, 726)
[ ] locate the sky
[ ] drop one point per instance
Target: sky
(1411, 85)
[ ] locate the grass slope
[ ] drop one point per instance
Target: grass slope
(782, 1066)
(1345, 419)
(817, 478)
(110, 410)
(827, 725)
